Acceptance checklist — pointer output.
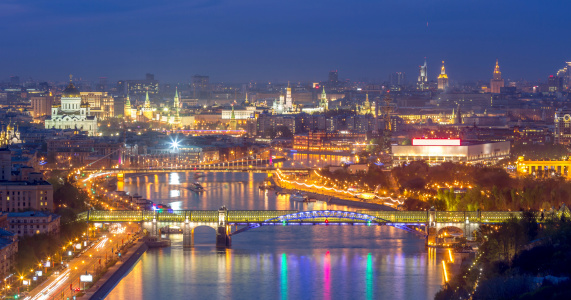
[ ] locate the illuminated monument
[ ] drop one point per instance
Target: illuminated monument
(72, 112)
(442, 78)
(497, 82)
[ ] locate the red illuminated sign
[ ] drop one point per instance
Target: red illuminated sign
(436, 142)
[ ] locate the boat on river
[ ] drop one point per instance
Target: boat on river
(196, 187)
(297, 196)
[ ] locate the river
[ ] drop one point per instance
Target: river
(283, 262)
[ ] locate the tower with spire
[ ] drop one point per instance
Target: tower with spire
(496, 83)
(127, 108)
(233, 124)
(147, 109)
(288, 106)
(366, 108)
(176, 108)
(323, 102)
(442, 78)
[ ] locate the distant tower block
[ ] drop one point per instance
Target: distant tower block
(442, 78)
(496, 83)
(423, 77)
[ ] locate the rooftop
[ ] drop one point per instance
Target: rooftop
(27, 214)
(4, 232)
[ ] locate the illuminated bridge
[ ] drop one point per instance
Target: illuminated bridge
(231, 222)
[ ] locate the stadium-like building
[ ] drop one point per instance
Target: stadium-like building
(436, 151)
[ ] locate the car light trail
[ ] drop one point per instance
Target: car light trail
(44, 294)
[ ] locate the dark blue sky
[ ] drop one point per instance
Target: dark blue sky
(270, 40)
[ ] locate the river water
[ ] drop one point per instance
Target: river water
(282, 262)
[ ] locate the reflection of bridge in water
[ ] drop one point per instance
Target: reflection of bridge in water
(227, 223)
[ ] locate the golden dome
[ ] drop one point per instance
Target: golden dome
(10, 126)
(70, 92)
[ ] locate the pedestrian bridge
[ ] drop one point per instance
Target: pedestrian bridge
(238, 217)
(430, 224)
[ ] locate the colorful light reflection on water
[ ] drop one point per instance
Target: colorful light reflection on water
(281, 262)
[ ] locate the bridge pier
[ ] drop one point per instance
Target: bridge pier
(431, 232)
(187, 234)
(223, 239)
(154, 228)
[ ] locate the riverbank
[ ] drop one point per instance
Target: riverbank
(330, 198)
(105, 284)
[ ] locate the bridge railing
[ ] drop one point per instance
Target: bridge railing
(498, 216)
(204, 216)
(245, 216)
(253, 216)
(398, 216)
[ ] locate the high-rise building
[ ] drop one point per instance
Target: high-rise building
(442, 79)
(397, 81)
(42, 105)
(422, 82)
(565, 75)
(333, 77)
(200, 87)
(497, 82)
(555, 83)
(562, 133)
(140, 87)
(14, 80)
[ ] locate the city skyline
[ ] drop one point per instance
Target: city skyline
(225, 40)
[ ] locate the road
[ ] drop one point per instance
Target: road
(58, 285)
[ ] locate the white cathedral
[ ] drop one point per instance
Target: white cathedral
(72, 113)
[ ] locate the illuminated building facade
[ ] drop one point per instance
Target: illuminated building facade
(321, 141)
(435, 151)
(442, 78)
(102, 105)
(497, 82)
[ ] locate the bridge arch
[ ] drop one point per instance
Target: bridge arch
(316, 215)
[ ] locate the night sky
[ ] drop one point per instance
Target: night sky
(268, 40)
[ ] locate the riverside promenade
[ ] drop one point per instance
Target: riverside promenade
(114, 274)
